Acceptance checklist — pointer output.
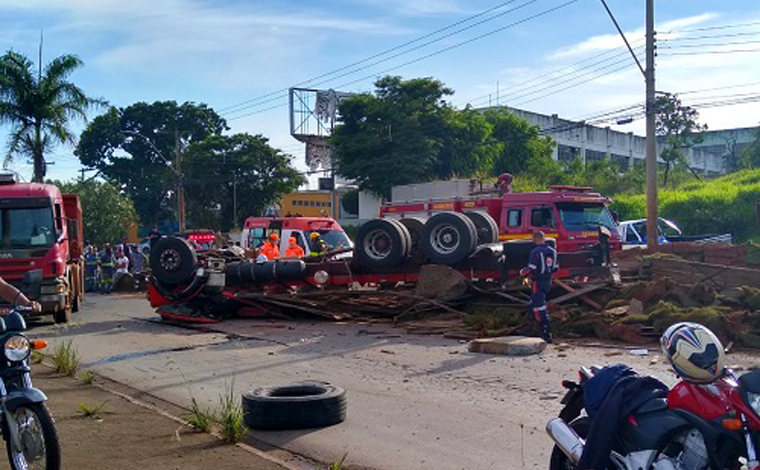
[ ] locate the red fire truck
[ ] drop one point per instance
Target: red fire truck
(40, 228)
(571, 215)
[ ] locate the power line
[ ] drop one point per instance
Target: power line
(714, 44)
(380, 54)
(715, 36)
(712, 28)
(733, 51)
(438, 52)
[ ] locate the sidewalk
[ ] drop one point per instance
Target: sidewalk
(130, 436)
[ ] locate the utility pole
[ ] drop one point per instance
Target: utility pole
(234, 200)
(180, 182)
(651, 138)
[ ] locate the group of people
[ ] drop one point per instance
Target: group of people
(106, 266)
(270, 250)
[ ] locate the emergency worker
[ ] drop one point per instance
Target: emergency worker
(317, 246)
(294, 251)
(270, 249)
(91, 269)
(542, 263)
(106, 270)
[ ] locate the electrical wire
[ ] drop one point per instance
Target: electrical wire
(380, 54)
(712, 28)
(733, 51)
(438, 52)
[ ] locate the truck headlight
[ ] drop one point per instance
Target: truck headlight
(321, 277)
(17, 348)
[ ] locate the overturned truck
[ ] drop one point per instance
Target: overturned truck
(209, 285)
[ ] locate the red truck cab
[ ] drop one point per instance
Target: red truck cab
(40, 228)
(571, 215)
(256, 231)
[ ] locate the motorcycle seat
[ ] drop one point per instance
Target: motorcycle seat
(656, 404)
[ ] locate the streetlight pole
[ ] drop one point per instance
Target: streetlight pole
(651, 138)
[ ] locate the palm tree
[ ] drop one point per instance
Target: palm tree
(40, 106)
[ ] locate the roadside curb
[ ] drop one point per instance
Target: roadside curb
(143, 404)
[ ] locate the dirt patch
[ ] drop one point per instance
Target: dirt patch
(129, 436)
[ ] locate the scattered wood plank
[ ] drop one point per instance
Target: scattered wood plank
(577, 293)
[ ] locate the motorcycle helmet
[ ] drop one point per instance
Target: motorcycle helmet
(694, 351)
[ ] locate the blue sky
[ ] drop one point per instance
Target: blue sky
(226, 52)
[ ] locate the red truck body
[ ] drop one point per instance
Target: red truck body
(40, 228)
(570, 215)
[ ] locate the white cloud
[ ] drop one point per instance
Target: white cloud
(420, 7)
(605, 42)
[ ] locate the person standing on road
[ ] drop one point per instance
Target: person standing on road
(542, 263)
(106, 270)
(91, 269)
(317, 246)
(122, 266)
(125, 249)
(270, 249)
(293, 251)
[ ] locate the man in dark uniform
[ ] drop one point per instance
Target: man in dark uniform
(542, 263)
(106, 270)
(91, 269)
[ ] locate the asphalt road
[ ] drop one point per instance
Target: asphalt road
(415, 402)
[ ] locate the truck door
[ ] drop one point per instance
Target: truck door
(512, 222)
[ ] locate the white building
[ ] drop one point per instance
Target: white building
(578, 139)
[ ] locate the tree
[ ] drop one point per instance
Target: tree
(241, 168)
(107, 213)
(40, 106)
(407, 133)
(135, 147)
(750, 157)
(678, 129)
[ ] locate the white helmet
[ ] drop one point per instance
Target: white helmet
(695, 352)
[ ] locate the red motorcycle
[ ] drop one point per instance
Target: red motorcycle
(698, 427)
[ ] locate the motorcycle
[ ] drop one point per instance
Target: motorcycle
(27, 425)
(697, 427)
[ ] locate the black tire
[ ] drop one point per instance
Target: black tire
(296, 406)
(414, 226)
(559, 460)
(49, 434)
(173, 260)
(448, 237)
(488, 230)
(63, 315)
(382, 243)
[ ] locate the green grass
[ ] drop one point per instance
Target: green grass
(66, 359)
(37, 357)
(200, 419)
(87, 377)
(338, 465)
(92, 411)
(230, 415)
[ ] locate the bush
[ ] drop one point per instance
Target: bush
(723, 205)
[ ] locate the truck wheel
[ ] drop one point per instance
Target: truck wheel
(296, 406)
(414, 227)
(173, 260)
(488, 230)
(63, 315)
(382, 243)
(448, 238)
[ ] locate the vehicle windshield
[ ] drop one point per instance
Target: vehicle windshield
(335, 239)
(585, 217)
(28, 227)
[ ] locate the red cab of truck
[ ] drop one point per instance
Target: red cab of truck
(571, 215)
(256, 231)
(40, 228)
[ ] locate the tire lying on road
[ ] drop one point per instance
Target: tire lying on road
(488, 230)
(448, 238)
(173, 260)
(296, 406)
(382, 243)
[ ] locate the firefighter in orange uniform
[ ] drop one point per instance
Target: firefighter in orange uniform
(293, 251)
(270, 248)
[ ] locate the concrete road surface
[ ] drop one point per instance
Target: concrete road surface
(415, 402)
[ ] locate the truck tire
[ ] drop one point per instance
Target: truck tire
(173, 260)
(296, 406)
(448, 237)
(382, 243)
(488, 230)
(414, 226)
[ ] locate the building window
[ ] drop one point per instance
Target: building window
(594, 155)
(566, 153)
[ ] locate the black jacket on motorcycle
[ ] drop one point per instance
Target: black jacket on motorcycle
(621, 391)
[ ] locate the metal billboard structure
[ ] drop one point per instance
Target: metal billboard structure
(312, 119)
